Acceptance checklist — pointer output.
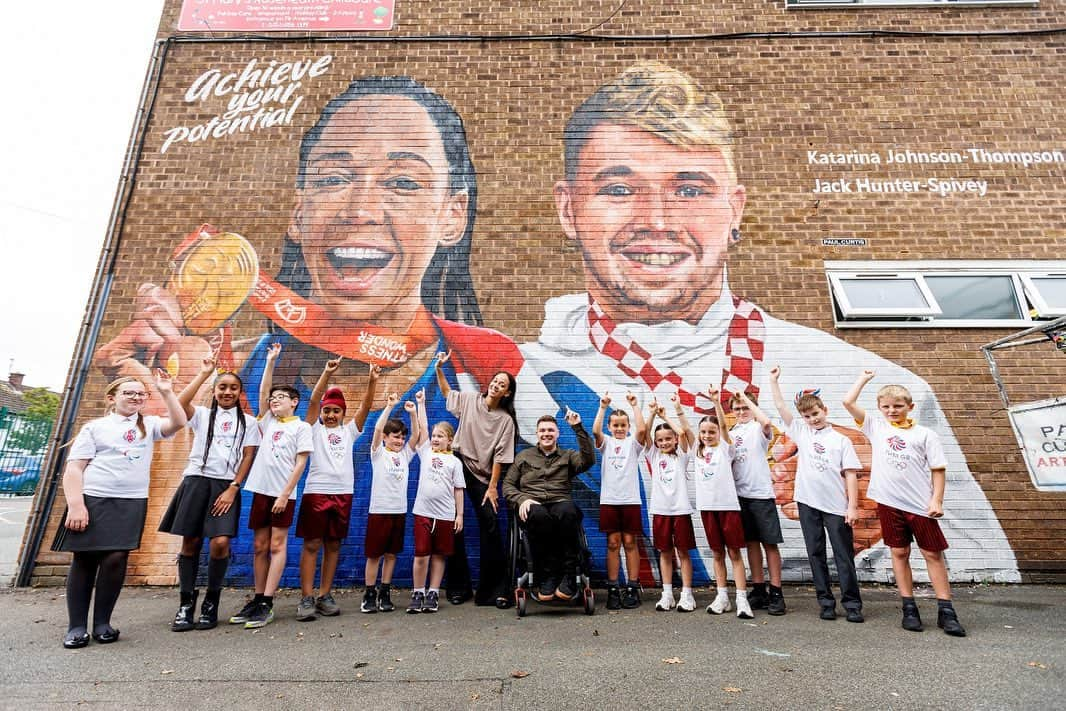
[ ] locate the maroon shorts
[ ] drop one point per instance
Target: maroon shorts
(384, 534)
(669, 532)
(723, 528)
(434, 536)
(621, 517)
(324, 516)
(898, 528)
(262, 516)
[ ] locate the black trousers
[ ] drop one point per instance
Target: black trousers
(816, 524)
(553, 537)
(492, 582)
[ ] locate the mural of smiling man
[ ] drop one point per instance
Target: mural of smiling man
(652, 198)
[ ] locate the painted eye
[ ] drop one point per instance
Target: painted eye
(615, 190)
(690, 191)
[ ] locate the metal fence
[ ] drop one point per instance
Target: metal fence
(23, 443)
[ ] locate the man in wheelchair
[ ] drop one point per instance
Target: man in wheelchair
(539, 485)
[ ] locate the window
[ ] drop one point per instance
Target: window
(859, 4)
(975, 294)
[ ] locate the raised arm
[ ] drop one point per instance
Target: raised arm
(779, 399)
(315, 402)
(175, 418)
(423, 419)
(640, 426)
(586, 454)
(268, 378)
(653, 412)
(760, 416)
(597, 424)
(716, 395)
(686, 437)
(851, 400)
(207, 367)
(368, 398)
(442, 381)
(416, 430)
(379, 426)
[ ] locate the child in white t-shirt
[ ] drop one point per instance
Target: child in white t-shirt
(105, 483)
(326, 503)
(827, 496)
(284, 447)
(672, 532)
(438, 508)
(620, 509)
(390, 461)
(716, 500)
(907, 481)
(751, 436)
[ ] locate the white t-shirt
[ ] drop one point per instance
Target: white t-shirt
(440, 474)
(669, 482)
(223, 459)
(388, 490)
(751, 471)
(281, 442)
(332, 469)
(902, 460)
(713, 474)
(619, 471)
(824, 456)
(120, 459)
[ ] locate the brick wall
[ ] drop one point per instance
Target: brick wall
(783, 96)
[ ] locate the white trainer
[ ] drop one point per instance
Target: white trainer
(721, 604)
(687, 603)
(666, 602)
(744, 608)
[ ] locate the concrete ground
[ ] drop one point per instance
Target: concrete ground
(468, 657)
(13, 513)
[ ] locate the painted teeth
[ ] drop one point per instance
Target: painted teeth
(359, 253)
(656, 260)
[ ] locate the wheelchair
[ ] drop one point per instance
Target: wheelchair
(522, 567)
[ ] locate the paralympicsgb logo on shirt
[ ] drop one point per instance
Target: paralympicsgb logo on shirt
(897, 443)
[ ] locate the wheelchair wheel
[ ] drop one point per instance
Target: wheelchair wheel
(520, 601)
(589, 599)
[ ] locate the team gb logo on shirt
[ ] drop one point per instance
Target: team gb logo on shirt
(334, 439)
(226, 426)
(129, 436)
(437, 462)
(896, 442)
(819, 447)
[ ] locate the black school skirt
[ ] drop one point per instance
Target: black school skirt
(189, 513)
(114, 525)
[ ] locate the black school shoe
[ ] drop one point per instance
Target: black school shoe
(912, 621)
(183, 621)
(460, 596)
(385, 598)
(208, 614)
(757, 597)
(775, 605)
(828, 613)
(76, 641)
(947, 620)
(614, 598)
(567, 589)
(631, 597)
(546, 591)
(107, 636)
(370, 601)
(855, 615)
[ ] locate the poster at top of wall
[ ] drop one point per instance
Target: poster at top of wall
(284, 15)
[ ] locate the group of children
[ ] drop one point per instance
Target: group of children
(737, 504)
(106, 480)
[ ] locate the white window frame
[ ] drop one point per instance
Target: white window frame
(1025, 292)
(877, 4)
(836, 280)
(1040, 303)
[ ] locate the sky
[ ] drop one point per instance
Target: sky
(73, 86)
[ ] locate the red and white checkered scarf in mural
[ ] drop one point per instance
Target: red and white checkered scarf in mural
(745, 345)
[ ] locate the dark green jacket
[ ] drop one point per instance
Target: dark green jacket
(547, 477)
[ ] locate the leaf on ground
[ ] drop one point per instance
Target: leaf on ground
(359, 675)
(475, 697)
(519, 674)
(595, 633)
(167, 671)
(1038, 665)
(360, 665)
(673, 660)
(732, 689)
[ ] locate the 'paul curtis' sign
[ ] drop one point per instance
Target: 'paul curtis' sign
(1041, 430)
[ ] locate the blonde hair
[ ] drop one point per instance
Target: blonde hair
(736, 399)
(112, 389)
(659, 99)
(895, 391)
(449, 431)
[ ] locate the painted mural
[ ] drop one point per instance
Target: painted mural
(375, 266)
